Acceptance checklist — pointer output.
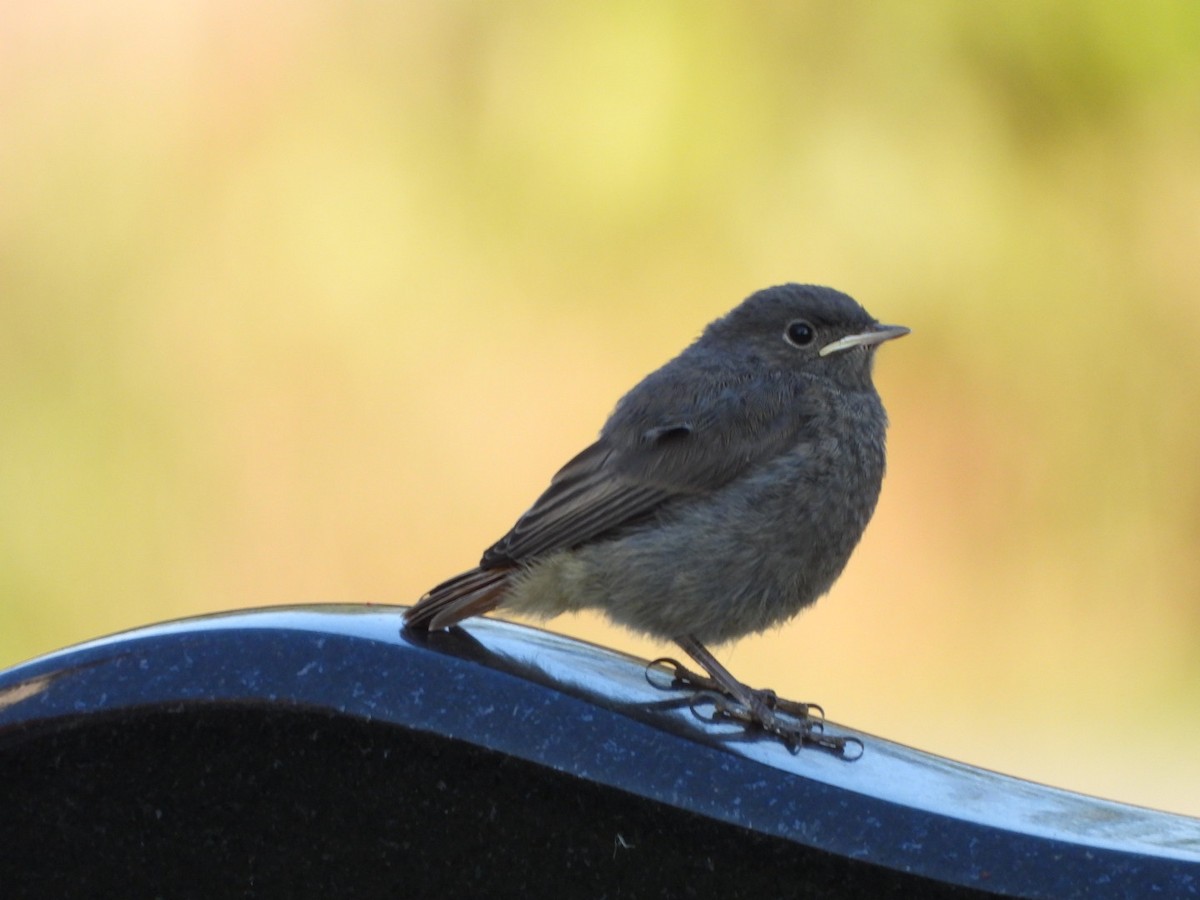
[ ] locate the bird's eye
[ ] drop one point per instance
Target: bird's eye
(800, 333)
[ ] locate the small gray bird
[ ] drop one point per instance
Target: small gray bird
(726, 491)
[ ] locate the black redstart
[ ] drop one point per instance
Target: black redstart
(726, 491)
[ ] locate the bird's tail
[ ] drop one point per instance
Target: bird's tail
(469, 594)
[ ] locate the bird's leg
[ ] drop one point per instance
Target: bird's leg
(758, 703)
(758, 707)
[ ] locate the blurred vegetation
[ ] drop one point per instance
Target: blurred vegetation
(306, 302)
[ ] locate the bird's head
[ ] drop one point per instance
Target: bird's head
(807, 328)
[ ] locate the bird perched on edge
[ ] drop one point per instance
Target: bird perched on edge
(725, 493)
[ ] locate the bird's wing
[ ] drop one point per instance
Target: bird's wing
(585, 499)
(649, 455)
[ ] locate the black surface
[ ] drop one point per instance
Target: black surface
(315, 752)
(215, 801)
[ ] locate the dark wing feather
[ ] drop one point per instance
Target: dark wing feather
(585, 499)
(655, 449)
(469, 594)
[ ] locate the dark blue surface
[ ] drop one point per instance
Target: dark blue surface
(899, 817)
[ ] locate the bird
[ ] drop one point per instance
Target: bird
(725, 493)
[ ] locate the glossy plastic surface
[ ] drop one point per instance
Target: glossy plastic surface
(320, 751)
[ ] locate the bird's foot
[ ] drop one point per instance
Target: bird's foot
(797, 724)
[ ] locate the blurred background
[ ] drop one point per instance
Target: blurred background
(306, 302)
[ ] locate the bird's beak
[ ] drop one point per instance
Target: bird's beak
(877, 335)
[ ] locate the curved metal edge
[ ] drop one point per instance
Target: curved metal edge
(593, 713)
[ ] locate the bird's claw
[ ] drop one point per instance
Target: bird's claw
(796, 731)
(681, 676)
(797, 724)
